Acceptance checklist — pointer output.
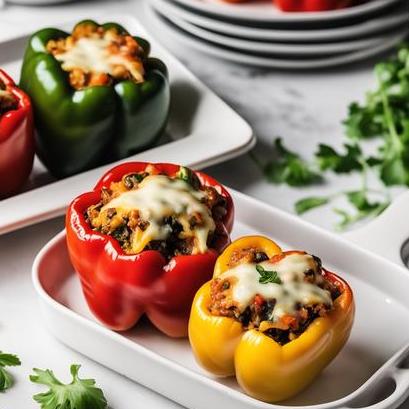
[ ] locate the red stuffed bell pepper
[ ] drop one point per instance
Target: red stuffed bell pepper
(16, 137)
(145, 240)
(311, 5)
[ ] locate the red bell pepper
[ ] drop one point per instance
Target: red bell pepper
(120, 287)
(16, 140)
(311, 5)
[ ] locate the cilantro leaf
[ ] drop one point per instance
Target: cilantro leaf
(79, 394)
(267, 276)
(308, 203)
(365, 209)
(289, 168)
(385, 114)
(329, 159)
(346, 219)
(360, 201)
(373, 161)
(363, 121)
(394, 172)
(6, 380)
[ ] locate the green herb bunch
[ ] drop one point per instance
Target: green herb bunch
(384, 116)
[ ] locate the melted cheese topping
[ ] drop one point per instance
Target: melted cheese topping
(291, 291)
(159, 196)
(92, 55)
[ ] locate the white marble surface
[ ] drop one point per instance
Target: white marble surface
(303, 108)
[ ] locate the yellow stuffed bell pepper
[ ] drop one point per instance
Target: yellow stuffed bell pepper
(249, 320)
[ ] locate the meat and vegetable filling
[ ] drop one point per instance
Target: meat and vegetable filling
(280, 296)
(93, 55)
(152, 211)
(8, 101)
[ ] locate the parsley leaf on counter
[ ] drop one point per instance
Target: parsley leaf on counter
(6, 380)
(309, 203)
(289, 168)
(360, 123)
(329, 159)
(79, 394)
(347, 218)
(364, 208)
(267, 276)
(360, 201)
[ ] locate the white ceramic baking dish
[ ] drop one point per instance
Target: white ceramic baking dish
(353, 380)
(202, 131)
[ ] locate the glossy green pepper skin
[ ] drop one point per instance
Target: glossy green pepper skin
(81, 129)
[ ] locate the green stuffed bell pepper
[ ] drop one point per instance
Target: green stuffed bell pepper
(97, 95)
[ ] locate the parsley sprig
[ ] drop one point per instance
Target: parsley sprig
(384, 116)
(288, 167)
(267, 276)
(79, 394)
(6, 380)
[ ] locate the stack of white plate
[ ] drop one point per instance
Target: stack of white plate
(257, 33)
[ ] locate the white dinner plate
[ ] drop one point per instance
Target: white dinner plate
(202, 131)
(354, 31)
(279, 48)
(168, 30)
(265, 11)
(167, 365)
(37, 2)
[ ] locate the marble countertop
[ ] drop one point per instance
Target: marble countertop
(304, 108)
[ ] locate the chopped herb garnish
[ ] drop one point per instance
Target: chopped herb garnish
(267, 276)
(188, 176)
(6, 380)
(329, 159)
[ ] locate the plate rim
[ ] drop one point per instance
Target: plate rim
(277, 48)
(289, 35)
(226, 11)
(266, 62)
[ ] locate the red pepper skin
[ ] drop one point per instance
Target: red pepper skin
(119, 287)
(311, 5)
(16, 141)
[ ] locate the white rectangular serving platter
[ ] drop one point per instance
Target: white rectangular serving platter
(202, 131)
(353, 380)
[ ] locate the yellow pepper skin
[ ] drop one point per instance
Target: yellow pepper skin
(265, 369)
